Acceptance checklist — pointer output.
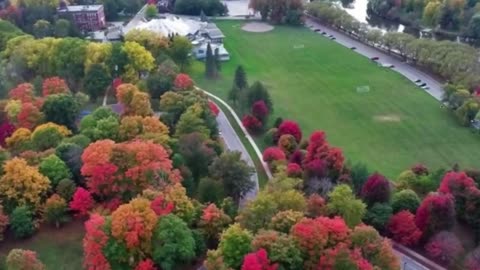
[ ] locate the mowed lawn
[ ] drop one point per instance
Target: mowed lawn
(314, 81)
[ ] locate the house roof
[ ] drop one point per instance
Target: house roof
(78, 8)
(215, 33)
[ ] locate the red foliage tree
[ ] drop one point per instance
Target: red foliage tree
(258, 261)
(54, 85)
(376, 189)
(260, 110)
(436, 213)
(296, 157)
(183, 82)
(316, 205)
(294, 170)
(290, 127)
(124, 170)
(444, 247)
(403, 229)
(341, 257)
(161, 207)
(23, 92)
(6, 130)
(146, 265)
(419, 169)
(213, 108)
(82, 202)
(455, 183)
(117, 82)
(94, 241)
(29, 116)
(318, 150)
(272, 154)
(251, 123)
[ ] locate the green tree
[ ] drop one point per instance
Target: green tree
(61, 109)
(21, 222)
(158, 83)
(173, 243)
(240, 79)
(180, 50)
(210, 67)
(151, 11)
(258, 92)
(62, 28)
(70, 58)
(42, 28)
(190, 122)
(234, 173)
(405, 199)
(235, 243)
(378, 215)
(96, 81)
(118, 60)
(474, 25)
(432, 13)
(218, 63)
(343, 202)
(55, 169)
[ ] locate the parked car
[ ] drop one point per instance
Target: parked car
(324, 33)
(353, 48)
(388, 65)
(316, 30)
(333, 38)
(418, 81)
(422, 85)
(375, 58)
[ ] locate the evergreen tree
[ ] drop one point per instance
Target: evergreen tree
(210, 66)
(240, 80)
(203, 17)
(217, 60)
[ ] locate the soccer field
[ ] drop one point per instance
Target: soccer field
(389, 125)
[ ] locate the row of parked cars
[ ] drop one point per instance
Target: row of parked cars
(418, 82)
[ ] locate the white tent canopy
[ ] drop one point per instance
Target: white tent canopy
(172, 25)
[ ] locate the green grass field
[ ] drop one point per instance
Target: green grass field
(314, 81)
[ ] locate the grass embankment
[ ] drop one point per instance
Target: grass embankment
(315, 81)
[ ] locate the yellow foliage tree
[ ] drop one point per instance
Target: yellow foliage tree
(19, 139)
(140, 58)
(61, 129)
(97, 53)
(154, 42)
(23, 184)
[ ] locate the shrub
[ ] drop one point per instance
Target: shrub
(3, 222)
(6, 130)
(183, 82)
(297, 157)
(21, 222)
(82, 202)
(252, 124)
(55, 169)
(48, 136)
(403, 229)
(172, 242)
(287, 143)
(359, 174)
(294, 170)
(405, 200)
(343, 202)
(55, 211)
(376, 189)
(419, 169)
(281, 248)
(290, 127)
(212, 222)
(213, 108)
(19, 259)
(273, 154)
(258, 260)
(66, 189)
(270, 137)
(283, 221)
(378, 215)
(316, 206)
(436, 213)
(260, 110)
(235, 243)
(444, 247)
(210, 191)
(457, 184)
(19, 140)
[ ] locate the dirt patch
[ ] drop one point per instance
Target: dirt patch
(257, 27)
(387, 118)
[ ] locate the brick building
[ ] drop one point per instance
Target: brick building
(85, 17)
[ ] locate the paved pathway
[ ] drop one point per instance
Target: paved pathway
(410, 72)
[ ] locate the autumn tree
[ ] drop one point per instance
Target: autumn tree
(54, 85)
(235, 243)
(154, 42)
(258, 260)
(342, 201)
(18, 175)
(70, 58)
(61, 109)
(96, 81)
(445, 247)
(436, 213)
(139, 60)
(173, 243)
(282, 249)
(403, 229)
(82, 202)
(55, 211)
(134, 101)
(23, 259)
(234, 173)
(376, 189)
(212, 222)
(180, 50)
(55, 169)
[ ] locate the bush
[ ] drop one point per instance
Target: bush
(403, 229)
(273, 154)
(55, 169)
(378, 215)
(210, 191)
(183, 82)
(260, 110)
(45, 137)
(316, 206)
(270, 137)
(283, 221)
(405, 200)
(21, 222)
(444, 247)
(235, 243)
(342, 202)
(376, 189)
(66, 189)
(252, 124)
(55, 211)
(435, 214)
(359, 174)
(290, 127)
(287, 143)
(282, 249)
(253, 261)
(212, 222)
(294, 170)
(19, 259)
(82, 202)
(173, 243)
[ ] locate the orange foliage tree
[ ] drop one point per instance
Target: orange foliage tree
(54, 85)
(134, 101)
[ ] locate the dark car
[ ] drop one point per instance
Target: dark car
(417, 81)
(423, 84)
(353, 48)
(375, 58)
(333, 38)
(316, 30)
(324, 33)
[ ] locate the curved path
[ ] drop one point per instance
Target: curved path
(409, 71)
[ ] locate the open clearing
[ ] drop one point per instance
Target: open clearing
(390, 127)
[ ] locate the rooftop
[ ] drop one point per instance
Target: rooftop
(79, 8)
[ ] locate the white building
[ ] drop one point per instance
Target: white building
(200, 50)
